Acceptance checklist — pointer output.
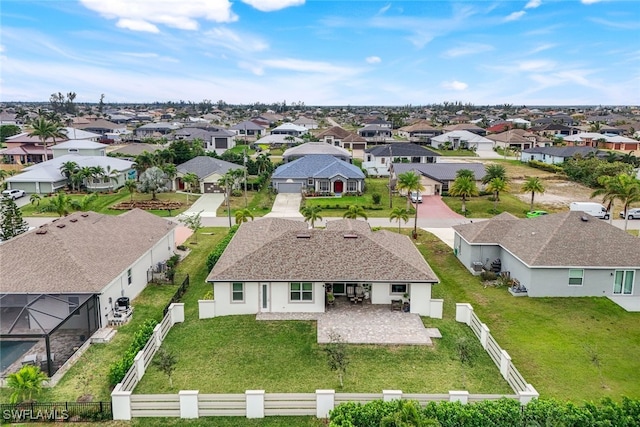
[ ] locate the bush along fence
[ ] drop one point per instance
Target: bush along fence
(55, 412)
(465, 314)
(177, 297)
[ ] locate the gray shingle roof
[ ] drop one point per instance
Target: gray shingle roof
(562, 151)
(270, 249)
(317, 166)
(316, 147)
(401, 149)
(203, 166)
(85, 255)
(440, 171)
(561, 239)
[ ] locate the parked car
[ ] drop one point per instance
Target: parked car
(633, 213)
(14, 194)
(416, 197)
(534, 214)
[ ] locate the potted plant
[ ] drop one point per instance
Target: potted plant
(331, 299)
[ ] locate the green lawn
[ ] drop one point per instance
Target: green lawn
(258, 202)
(552, 341)
(337, 206)
(482, 206)
(105, 201)
(453, 153)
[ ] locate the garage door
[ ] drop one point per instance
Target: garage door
(210, 187)
(289, 187)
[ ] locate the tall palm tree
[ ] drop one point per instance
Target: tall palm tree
(113, 175)
(190, 179)
(463, 186)
(399, 214)
(496, 185)
(533, 185)
(87, 174)
(68, 169)
(495, 171)
(410, 181)
(170, 170)
(131, 185)
(312, 214)
(621, 187)
(354, 211)
(97, 172)
(243, 215)
(46, 129)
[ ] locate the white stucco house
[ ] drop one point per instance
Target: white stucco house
(462, 139)
(273, 265)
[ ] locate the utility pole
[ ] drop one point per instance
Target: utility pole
(226, 180)
(245, 178)
(390, 192)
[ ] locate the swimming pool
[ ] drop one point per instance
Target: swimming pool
(10, 351)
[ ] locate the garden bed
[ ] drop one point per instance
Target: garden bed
(147, 205)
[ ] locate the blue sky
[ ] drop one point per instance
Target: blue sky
(532, 52)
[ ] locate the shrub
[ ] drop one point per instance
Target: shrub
(216, 253)
(119, 369)
(487, 276)
(376, 198)
(545, 166)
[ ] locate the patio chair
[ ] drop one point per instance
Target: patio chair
(396, 305)
(351, 293)
(359, 294)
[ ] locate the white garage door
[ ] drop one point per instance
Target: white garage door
(289, 187)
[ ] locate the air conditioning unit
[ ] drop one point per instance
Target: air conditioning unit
(477, 266)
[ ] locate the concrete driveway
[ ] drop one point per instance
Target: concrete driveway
(434, 207)
(286, 205)
(207, 203)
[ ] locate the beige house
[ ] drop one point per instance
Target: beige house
(209, 171)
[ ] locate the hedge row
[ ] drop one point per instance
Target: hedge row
(216, 253)
(545, 166)
(496, 413)
(119, 369)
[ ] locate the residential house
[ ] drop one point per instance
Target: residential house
(438, 177)
(130, 151)
(62, 281)
(289, 129)
(306, 122)
(213, 139)
(81, 147)
(552, 129)
(316, 147)
(342, 138)
(24, 149)
(419, 132)
(321, 173)
(468, 127)
(595, 139)
(209, 171)
(462, 139)
(274, 265)
(377, 121)
(248, 129)
(101, 126)
(566, 254)
(555, 155)
(156, 130)
(279, 140)
(379, 158)
(518, 138)
(375, 133)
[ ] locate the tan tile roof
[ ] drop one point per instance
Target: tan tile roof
(82, 252)
(562, 239)
(274, 249)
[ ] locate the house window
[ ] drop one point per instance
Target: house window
(397, 288)
(129, 277)
(623, 282)
(324, 185)
(73, 150)
(352, 186)
(74, 302)
(237, 292)
(301, 291)
(575, 277)
(310, 181)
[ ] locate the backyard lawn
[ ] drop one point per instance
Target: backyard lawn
(482, 206)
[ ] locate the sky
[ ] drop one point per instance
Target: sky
(483, 52)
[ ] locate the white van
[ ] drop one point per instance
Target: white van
(593, 209)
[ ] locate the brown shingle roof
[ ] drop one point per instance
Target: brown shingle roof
(82, 252)
(562, 239)
(274, 249)
(335, 131)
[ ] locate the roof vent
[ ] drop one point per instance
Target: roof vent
(303, 235)
(84, 215)
(584, 218)
(350, 236)
(60, 225)
(41, 231)
(73, 220)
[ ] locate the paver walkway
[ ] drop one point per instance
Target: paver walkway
(364, 324)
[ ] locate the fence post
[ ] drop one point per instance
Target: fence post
(459, 396)
(121, 403)
(463, 313)
(325, 402)
(189, 404)
(138, 362)
(435, 311)
(157, 336)
(528, 395)
(389, 395)
(505, 362)
(177, 312)
(484, 334)
(255, 403)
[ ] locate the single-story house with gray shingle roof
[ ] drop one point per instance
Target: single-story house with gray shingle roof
(321, 173)
(67, 276)
(566, 254)
(275, 265)
(554, 155)
(213, 139)
(316, 147)
(438, 177)
(379, 158)
(209, 171)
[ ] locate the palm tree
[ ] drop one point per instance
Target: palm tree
(45, 129)
(60, 204)
(113, 175)
(86, 173)
(131, 185)
(410, 181)
(496, 185)
(68, 169)
(84, 203)
(495, 171)
(24, 383)
(243, 215)
(312, 214)
(3, 174)
(354, 211)
(465, 172)
(97, 172)
(621, 187)
(35, 199)
(170, 170)
(463, 186)
(399, 214)
(533, 185)
(263, 162)
(190, 179)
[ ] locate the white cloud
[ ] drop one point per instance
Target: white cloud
(252, 67)
(1, 48)
(515, 16)
(539, 65)
(467, 49)
(145, 15)
(300, 65)
(233, 40)
(590, 1)
(541, 48)
(272, 5)
(455, 85)
(384, 9)
(532, 4)
(373, 59)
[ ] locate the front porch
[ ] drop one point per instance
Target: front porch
(364, 323)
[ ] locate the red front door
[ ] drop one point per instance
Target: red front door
(337, 186)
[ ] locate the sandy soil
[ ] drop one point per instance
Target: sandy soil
(558, 194)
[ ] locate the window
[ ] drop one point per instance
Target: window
(74, 302)
(301, 291)
(129, 277)
(73, 150)
(575, 277)
(399, 288)
(324, 185)
(310, 181)
(237, 292)
(352, 186)
(623, 282)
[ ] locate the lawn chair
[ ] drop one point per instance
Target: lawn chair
(359, 294)
(351, 293)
